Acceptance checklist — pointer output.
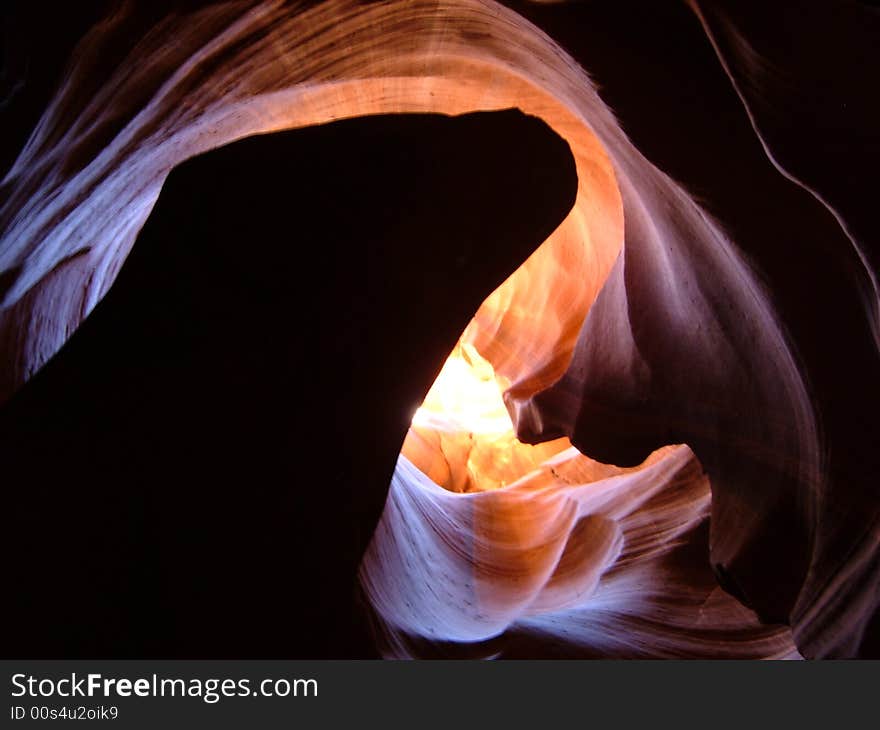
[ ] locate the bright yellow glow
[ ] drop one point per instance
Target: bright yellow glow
(462, 436)
(465, 397)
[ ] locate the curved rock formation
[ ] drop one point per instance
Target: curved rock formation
(492, 547)
(635, 328)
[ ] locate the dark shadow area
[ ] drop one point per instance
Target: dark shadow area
(198, 471)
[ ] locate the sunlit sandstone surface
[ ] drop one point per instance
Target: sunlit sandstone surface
(631, 379)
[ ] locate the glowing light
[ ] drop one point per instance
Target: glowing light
(462, 436)
(466, 396)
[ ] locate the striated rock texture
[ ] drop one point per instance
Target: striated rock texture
(637, 331)
(492, 547)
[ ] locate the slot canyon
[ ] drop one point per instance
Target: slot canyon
(440, 329)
